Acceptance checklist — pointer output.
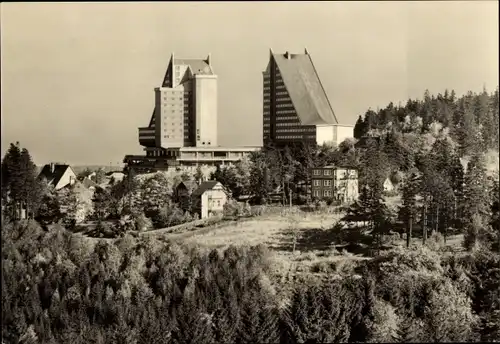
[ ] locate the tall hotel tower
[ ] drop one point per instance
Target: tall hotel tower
(185, 113)
(296, 108)
(182, 130)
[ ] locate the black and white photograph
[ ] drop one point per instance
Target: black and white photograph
(250, 172)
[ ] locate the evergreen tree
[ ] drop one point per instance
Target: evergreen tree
(12, 178)
(198, 176)
(359, 128)
(32, 188)
(408, 211)
(476, 199)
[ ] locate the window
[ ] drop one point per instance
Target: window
(327, 193)
(316, 172)
(316, 193)
(327, 172)
(317, 182)
(327, 183)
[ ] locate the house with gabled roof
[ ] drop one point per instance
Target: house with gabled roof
(209, 199)
(58, 175)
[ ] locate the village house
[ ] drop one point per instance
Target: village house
(334, 182)
(58, 175)
(388, 185)
(209, 199)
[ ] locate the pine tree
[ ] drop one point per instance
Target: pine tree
(409, 209)
(359, 128)
(32, 191)
(12, 179)
(476, 200)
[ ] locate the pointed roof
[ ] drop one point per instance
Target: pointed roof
(54, 175)
(197, 66)
(207, 185)
(305, 89)
(190, 185)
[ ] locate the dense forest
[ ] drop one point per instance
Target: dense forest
(59, 286)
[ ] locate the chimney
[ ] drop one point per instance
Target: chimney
(305, 51)
(287, 55)
(208, 59)
(52, 167)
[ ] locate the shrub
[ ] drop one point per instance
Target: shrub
(449, 317)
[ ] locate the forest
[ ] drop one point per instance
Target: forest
(59, 286)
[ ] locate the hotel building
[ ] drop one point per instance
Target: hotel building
(183, 127)
(296, 108)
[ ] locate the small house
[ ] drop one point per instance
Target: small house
(117, 176)
(209, 199)
(388, 185)
(58, 175)
(183, 192)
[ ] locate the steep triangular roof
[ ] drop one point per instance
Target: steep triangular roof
(207, 185)
(305, 89)
(190, 185)
(53, 177)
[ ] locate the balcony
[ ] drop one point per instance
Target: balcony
(147, 137)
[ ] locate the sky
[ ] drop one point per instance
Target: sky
(78, 79)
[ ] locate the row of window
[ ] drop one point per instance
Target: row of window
(173, 98)
(290, 130)
(325, 172)
(287, 124)
(326, 182)
(326, 193)
(289, 137)
(279, 112)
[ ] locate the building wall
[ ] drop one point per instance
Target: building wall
(169, 117)
(344, 132)
(212, 202)
(69, 177)
(205, 98)
(326, 134)
(281, 124)
(336, 183)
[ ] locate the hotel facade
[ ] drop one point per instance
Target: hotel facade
(296, 108)
(182, 130)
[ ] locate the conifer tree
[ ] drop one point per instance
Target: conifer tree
(359, 128)
(409, 209)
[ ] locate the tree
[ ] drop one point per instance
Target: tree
(100, 176)
(476, 200)
(409, 209)
(102, 203)
(199, 176)
(12, 179)
(85, 173)
(32, 189)
(359, 128)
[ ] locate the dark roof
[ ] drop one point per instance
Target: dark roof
(53, 177)
(305, 89)
(190, 185)
(207, 185)
(197, 66)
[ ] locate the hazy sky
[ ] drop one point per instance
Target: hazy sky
(78, 79)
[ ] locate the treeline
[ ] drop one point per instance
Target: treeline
(59, 288)
(472, 120)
